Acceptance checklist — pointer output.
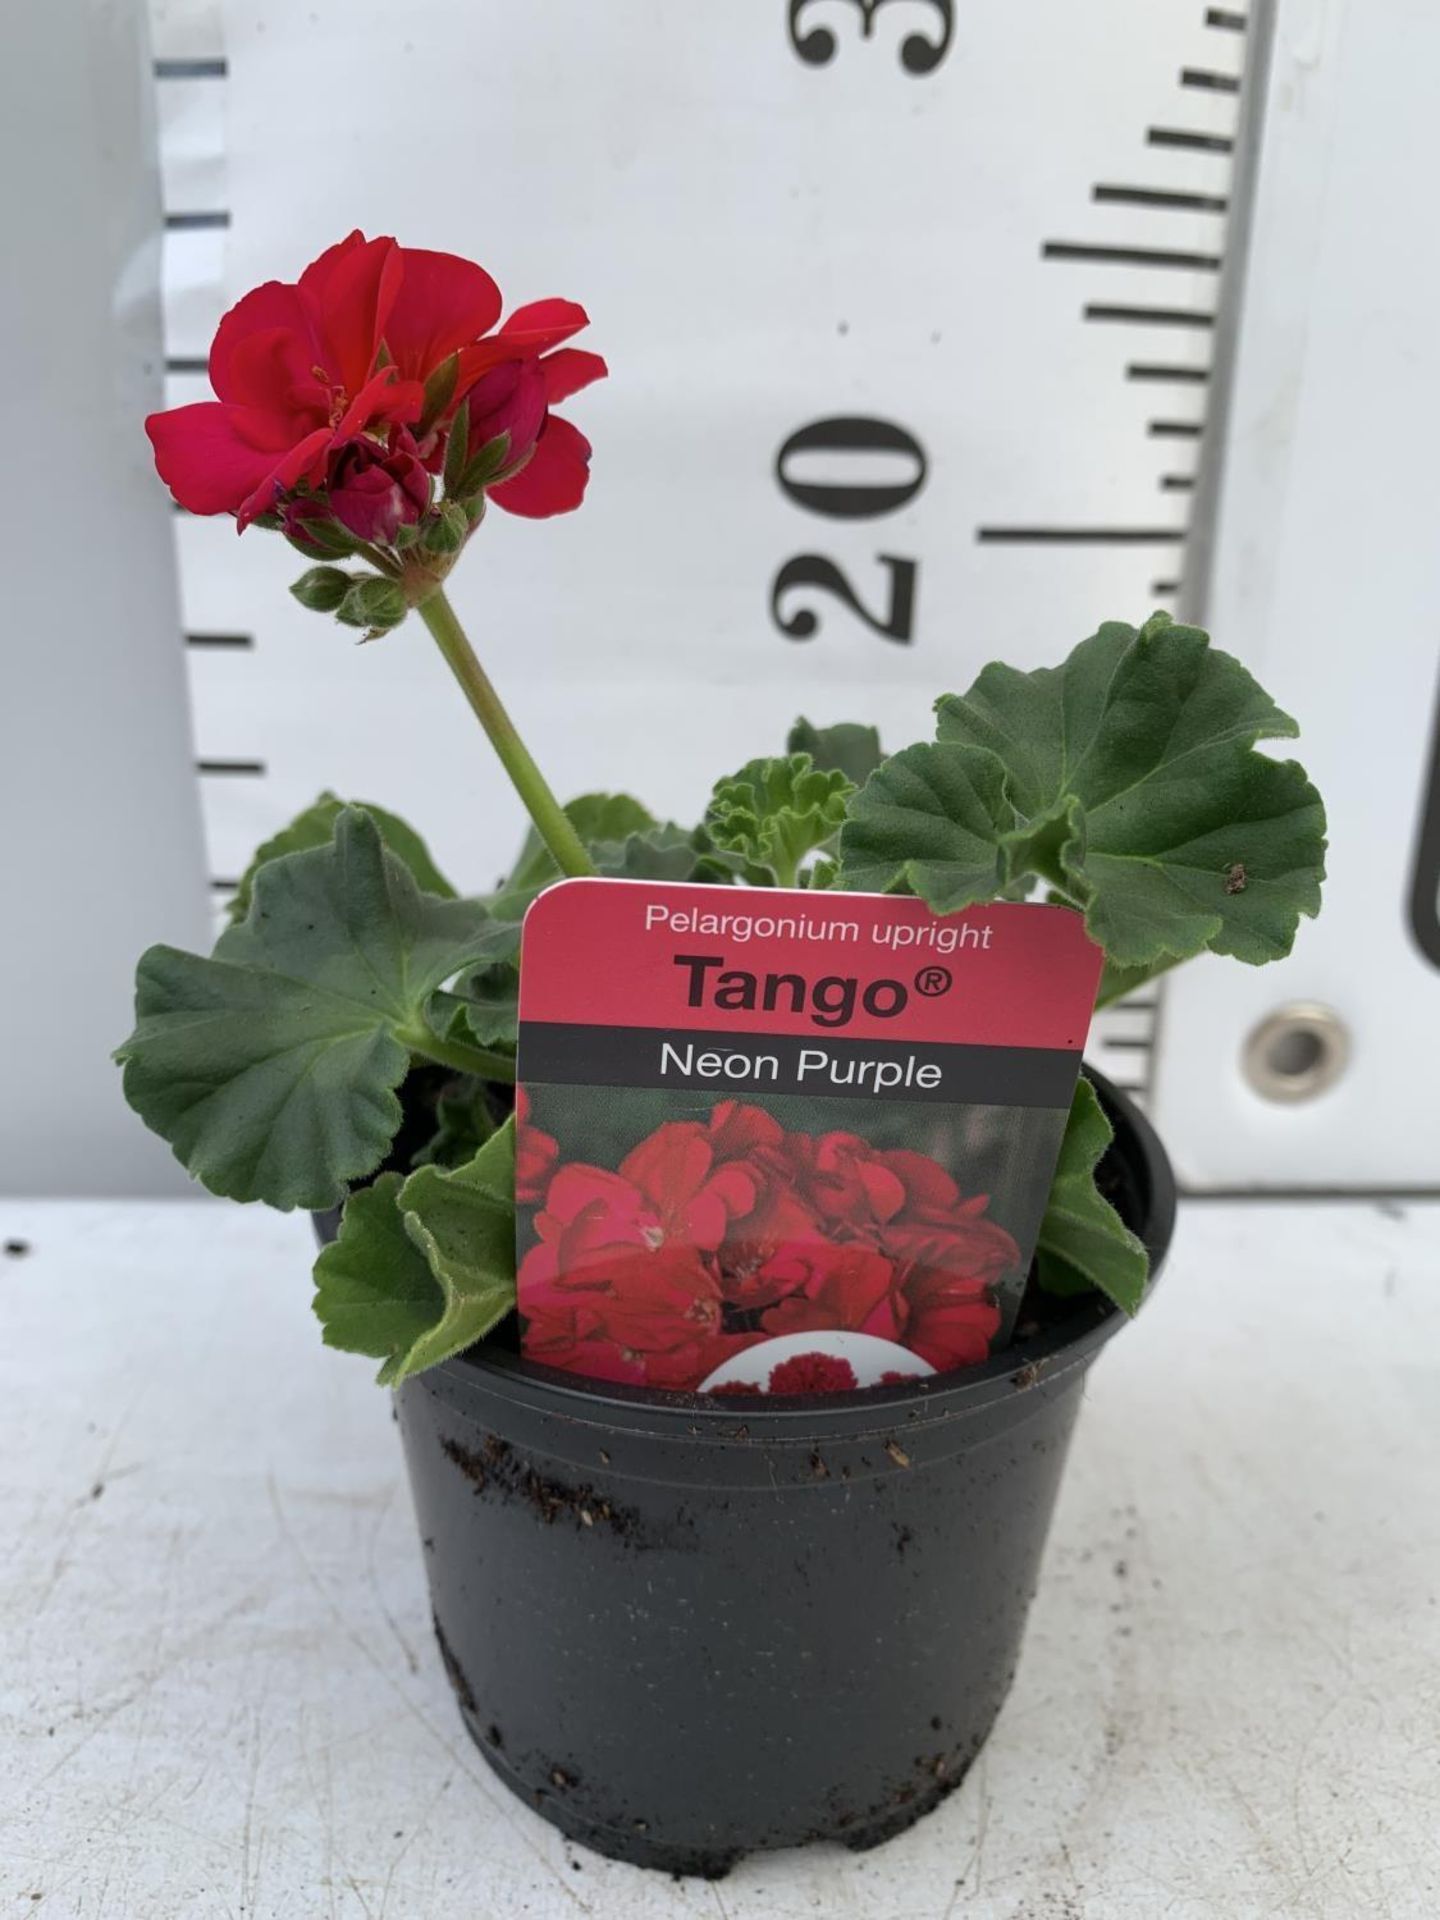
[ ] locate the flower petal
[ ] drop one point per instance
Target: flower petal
(444, 303)
(554, 478)
(272, 308)
(569, 370)
(270, 372)
(306, 461)
(544, 324)
(347, 295)
(382, 398)
(528, 332)
(206, 464)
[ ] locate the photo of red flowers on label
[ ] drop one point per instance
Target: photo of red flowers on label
(872, 1226)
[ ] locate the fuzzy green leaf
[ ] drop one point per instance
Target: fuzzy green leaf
(490, 1000)
(847, 748)
(423, 1267)
(929, 820)
(1083, 1241)
(668, 852)
(1139, 791)
(463, 1123)
(602, 820)
(315, 827)
(271, 1067)
(374, 1291)
(775, 812)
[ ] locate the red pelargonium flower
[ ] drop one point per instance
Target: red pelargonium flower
(694, 1194)
(715, 1234)
(302, 371)
(952, 1320)
(778, 1217)
(813, 1373)
(650, 1316)
(374, 490)
(860, 1187)
(536, 1154)
(510, 384)
(848, 1288)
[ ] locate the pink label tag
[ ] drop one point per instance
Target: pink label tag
(780, 1141)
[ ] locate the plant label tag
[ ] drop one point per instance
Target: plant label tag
(785, 1141)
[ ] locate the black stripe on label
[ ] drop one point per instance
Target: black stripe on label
(821, 1064)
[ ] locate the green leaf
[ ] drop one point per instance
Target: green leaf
(271, 1067)
(846, 748)
(1140, 794)
(929, 820)
(1117, 982)
(602, 820)
(374, 1291)
(423, 1268)
(464, 1223)
(774, 812)
(486, 999)
(463, 1123)
(667, 852)
(315, 827)
(1083, 1241)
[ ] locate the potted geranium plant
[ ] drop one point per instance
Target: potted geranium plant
(684, 1625)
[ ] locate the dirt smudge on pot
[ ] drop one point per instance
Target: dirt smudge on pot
(454, 1672)
(497, 1471)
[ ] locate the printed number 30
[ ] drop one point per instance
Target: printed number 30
(849, 500)
(917, 54)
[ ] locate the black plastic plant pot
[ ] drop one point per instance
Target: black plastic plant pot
(685, 1630)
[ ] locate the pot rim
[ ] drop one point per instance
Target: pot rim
(1042, 1360)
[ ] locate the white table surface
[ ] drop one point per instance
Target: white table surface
(219, 1693)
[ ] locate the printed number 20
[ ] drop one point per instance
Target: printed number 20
(849, 500)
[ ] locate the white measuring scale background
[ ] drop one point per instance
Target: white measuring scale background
(939, 330)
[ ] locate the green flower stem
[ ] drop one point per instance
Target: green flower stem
(551, 821)
(454, 1053)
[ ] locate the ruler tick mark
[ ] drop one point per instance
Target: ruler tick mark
(1189, 139)
(1160, 197)
(1129, 256)
(1154, 370)
(215, 69)
(1151, 316)
(1208, 81)
(1080, 536)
